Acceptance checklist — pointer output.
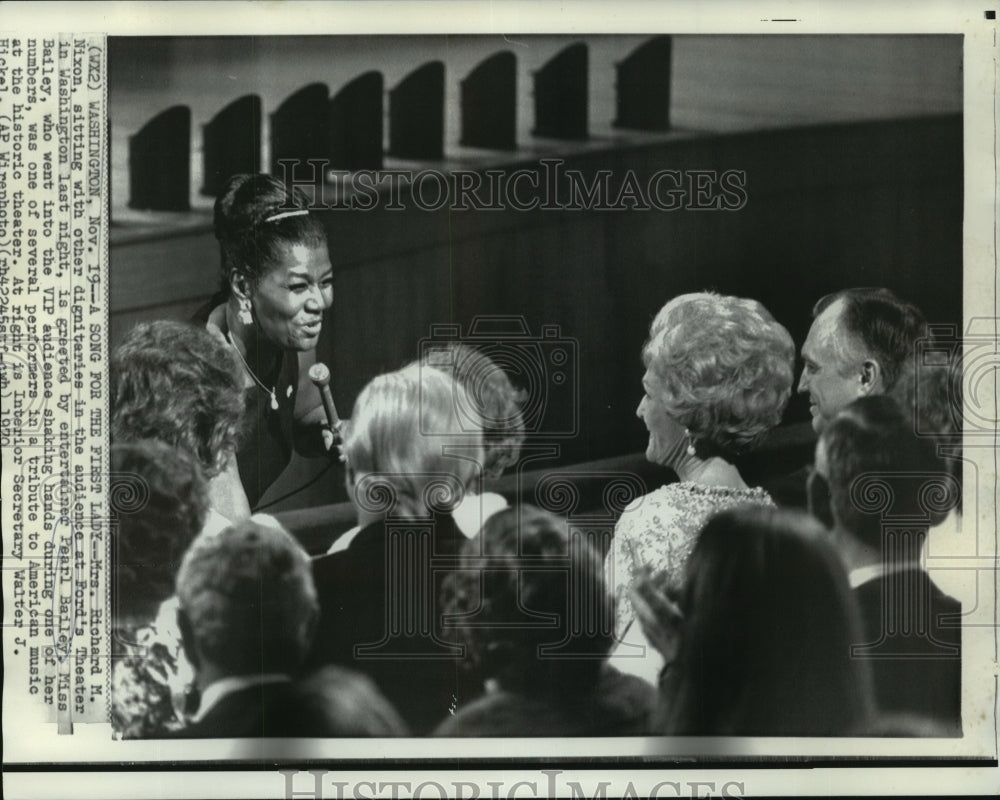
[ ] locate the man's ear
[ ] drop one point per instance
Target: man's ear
(871, 377)
(820, 503)
(187, 638)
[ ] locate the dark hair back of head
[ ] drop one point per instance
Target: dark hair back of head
(250, 239)
(159, 499)
(521, 564)
(248, 599)
(885, 325)
(769, 620)
(877, 464)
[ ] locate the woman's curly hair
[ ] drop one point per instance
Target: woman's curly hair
(159, 500)
(725, 369)
(180, 384)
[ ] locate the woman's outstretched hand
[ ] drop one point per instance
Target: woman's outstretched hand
(660, 617)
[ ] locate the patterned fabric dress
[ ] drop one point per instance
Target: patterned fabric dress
(148, 681)
(660, 530)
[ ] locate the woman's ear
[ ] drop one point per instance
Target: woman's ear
(239, 284)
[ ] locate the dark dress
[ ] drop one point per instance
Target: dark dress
(267, 443)
(380, 614)
(266, 448)
(913, 644)
(620, 705)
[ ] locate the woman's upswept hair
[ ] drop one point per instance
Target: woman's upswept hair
(253, 223)
(158, 499)
(407, 439)
(494, 399)
(180, 384)
(523, 564)
(765, 647)
(724, 369)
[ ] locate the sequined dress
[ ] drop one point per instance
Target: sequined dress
(660, 530)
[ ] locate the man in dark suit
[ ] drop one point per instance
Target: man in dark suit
(381, 615)
(859, 345)
(879, 487)
(380, 596)
(247, 614)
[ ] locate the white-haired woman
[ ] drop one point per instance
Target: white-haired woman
(410, 458)
(719, 372)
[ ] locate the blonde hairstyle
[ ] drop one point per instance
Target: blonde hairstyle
(407, 439)
(724, 368)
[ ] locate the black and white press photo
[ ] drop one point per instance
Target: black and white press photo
(564, 405)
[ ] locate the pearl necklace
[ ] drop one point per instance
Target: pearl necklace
(250, 372)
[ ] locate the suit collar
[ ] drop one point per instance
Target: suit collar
(224, 687)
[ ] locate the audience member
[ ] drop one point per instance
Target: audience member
(352, 703)
(494, 405)
(719, 373)
(760, 645)
(540, 647)
(159, 500)
(177, 383)
(247, 616)
(860, 343)
(880, 488)
(379, 595)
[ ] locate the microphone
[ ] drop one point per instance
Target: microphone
(319, 374)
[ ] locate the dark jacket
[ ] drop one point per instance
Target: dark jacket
(914, 646)
(263, 710)
(620, 705)
(380, 614)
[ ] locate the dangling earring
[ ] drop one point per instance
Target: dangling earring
(244, 314)
(690, 448)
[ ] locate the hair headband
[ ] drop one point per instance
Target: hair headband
(297, 213)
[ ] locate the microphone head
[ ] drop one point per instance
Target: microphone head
(319, 374)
